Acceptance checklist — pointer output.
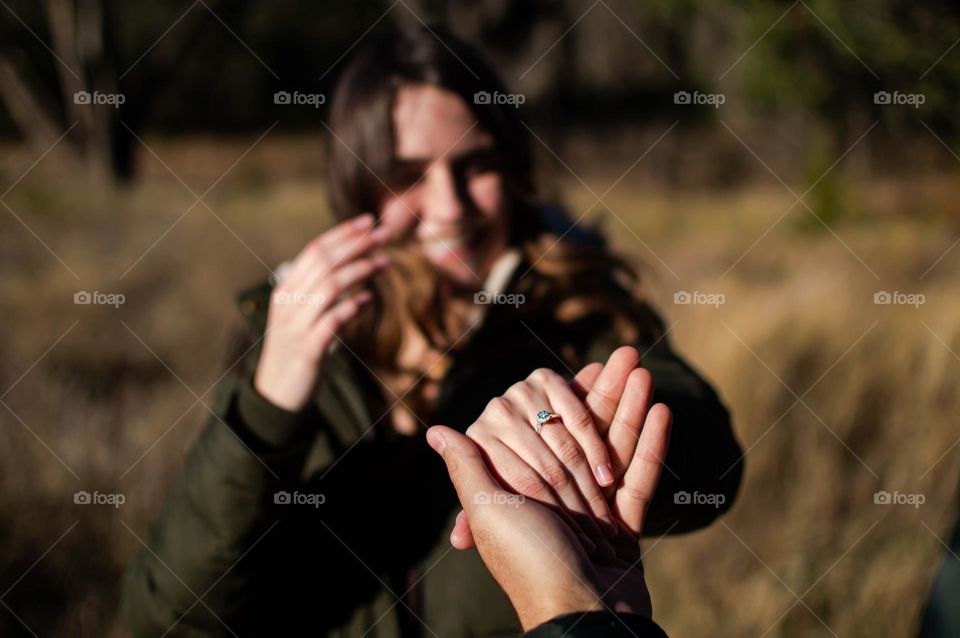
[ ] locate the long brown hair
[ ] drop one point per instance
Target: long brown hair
(581, 282)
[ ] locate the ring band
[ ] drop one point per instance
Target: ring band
(542, 417)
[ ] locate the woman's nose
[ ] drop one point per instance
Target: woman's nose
(443, 202)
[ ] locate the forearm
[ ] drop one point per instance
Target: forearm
(218, 510)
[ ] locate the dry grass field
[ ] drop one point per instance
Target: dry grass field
(834, 397)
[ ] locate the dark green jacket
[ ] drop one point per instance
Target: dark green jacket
(373, 559)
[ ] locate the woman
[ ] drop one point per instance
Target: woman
(311, 502)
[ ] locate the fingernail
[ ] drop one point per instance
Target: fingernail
(381, 260)
(436, 441)
(364, 220)
(605, 474)
(379, 234)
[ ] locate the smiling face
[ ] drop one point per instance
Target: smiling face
(447, 192)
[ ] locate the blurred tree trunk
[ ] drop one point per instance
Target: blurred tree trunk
(78, 35)
(83, 37)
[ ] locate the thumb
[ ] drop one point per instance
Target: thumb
(468, 471)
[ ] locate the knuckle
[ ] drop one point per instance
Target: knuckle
(356, 269)
(537, 375)
(531, 486)
(580, 421)
(341, 277)
(602, 398)
(648, 456)
(316, 248)
(543, 376)
(623, 422)
(453, 466)
(475, 430)
(556, 476)
(498, 408)
(635, 494)
(519, 389)
(596, 502)
(641, 377)
(570, 453)
(326, 327)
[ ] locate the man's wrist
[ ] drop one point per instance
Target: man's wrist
(549, 605)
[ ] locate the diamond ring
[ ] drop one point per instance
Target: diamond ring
(542, 417)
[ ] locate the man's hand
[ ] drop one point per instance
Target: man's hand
(617, 397)
(534, 553)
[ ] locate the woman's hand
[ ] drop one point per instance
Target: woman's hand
(564, 465)
(617, 397)
(308, 308)
(533, 553)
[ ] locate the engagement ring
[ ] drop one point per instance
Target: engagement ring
(542, 417)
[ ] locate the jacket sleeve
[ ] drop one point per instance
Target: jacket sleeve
(704, 462)
(598, 624)
(190, 576)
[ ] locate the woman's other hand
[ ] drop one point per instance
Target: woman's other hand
(309, 307)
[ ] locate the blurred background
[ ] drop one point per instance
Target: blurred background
(785, 174)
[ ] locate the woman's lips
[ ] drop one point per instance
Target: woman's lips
(452, 247)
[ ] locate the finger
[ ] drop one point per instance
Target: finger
(579, 423)
(520, 477)
(347, 250)
(465, 465)
(628, 422)
(317, 246)
(333, 320)
(340, 243)
(640, 482)
(462, 537)
(565, 481)
(331, 285)
(571, 455)
(353, 247)
(585, 379)
(605, 394)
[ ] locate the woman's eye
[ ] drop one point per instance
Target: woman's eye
(404, 178)
(478, 165)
